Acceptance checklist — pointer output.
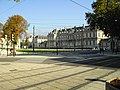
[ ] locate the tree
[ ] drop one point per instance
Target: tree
(16, 0)
(25, 43)
(105, 16)
(14, 27)
(1, 33)
(1, 26)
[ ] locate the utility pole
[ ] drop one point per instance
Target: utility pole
(74, 39)
(33, 38)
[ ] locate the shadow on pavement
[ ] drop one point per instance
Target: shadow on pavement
(95, 79)
(106, 61)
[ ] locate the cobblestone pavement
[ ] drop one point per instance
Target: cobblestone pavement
(30, 73)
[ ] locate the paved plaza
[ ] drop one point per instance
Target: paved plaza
(56, 72)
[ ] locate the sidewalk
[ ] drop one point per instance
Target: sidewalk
(31, 76)
(23, 74)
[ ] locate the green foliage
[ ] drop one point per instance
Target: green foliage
(105, 16)
(43, 50)
(16, 0)
(24, 43)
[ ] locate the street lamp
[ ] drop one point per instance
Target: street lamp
(33, 38)
(74, 39)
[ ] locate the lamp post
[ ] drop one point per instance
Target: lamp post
(74, 39)
(33, 38)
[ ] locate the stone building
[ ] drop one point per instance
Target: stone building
(52, 39)
(76, 37)
(40, 41)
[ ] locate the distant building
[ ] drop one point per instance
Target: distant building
(27, 40)
(109, 44)
(5, 44)
(52, 39)
(105, 44)
(76, 37)
(40, 41)
(30, 40)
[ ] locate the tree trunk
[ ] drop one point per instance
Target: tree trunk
(14, 49)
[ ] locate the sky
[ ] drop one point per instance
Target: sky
(46, 15)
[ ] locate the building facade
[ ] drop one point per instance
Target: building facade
(52, 39)
(40, 41)
(76, 37)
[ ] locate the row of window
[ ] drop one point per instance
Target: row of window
(75, 36)
(87, 35)
(90, 42)
(77, 43)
